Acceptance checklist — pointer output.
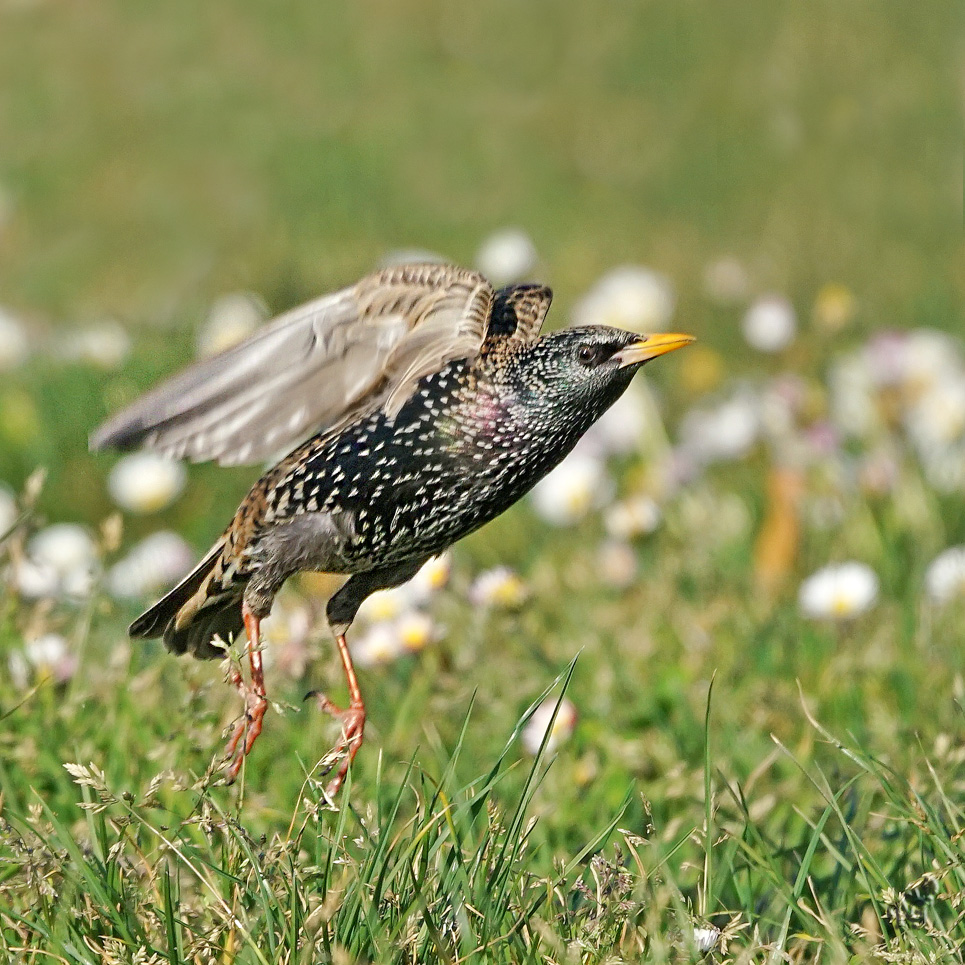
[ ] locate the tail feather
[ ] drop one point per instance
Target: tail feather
(195, 611)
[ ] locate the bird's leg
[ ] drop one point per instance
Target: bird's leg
(341, 611)
(352, 719)
(255, 697)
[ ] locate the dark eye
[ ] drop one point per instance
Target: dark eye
(588, 354)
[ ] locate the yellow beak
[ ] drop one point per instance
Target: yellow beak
(650, 346)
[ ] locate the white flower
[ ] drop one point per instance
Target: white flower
(706, 939)
(433, 576)
(936, 418)
(539, 724)
(945, 576)
(14, 344)
(376, 644)
(631, 297)
(621, 429)
(725, 281)
(617, 564)
(851, 383)
(105, 345)
(416, 630)
(839, 591)
(65, 554)
(50, 656)
(499, 588)
(145, 482)
(46, 650)
(232, 318)
(8, 510)
(151, 566)
(770, 324)
(723, 432)
(637, 516)
(507, 256)
(385, 605)
(383, 641)
(577, 485)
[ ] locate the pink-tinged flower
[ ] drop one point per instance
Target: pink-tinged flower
(839, 592)
(542, 722)
(50, 656)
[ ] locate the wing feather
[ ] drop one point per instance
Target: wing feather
(313, 368)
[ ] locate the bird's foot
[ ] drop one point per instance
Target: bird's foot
(353, 727)
(247, 729)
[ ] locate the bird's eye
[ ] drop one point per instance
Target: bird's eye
(588, 354)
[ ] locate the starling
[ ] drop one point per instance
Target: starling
(432, 405)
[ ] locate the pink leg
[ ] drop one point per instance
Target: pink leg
(352, 720)
(256, 700)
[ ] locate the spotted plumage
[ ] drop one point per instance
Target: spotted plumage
(435, 406)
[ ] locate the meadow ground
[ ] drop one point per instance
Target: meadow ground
(749, 765)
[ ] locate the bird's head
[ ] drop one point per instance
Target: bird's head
(589, 366)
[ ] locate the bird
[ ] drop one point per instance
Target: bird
(401, 414)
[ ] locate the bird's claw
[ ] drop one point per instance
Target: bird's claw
(353, 728)
(248, 728)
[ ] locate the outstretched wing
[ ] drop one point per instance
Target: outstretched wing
(313, 368)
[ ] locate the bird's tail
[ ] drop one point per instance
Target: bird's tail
(199, 608)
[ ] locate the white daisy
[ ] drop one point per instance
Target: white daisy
(144, 482)
(630, 297)
(577, 485)
(498, 588)
(151, 566)
(539, 724)
(839, 592)
(507, 256)
(945, 576)
(232, 318)
(770, 324)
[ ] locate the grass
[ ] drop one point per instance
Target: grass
(734, 765)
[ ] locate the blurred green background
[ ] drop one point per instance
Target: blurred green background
(153, 157)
